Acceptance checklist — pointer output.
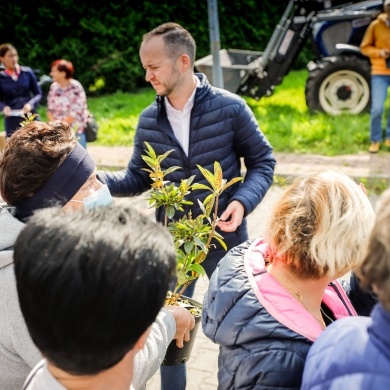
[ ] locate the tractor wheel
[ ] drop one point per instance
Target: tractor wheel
(339, 84)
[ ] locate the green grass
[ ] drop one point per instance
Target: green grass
(283, 117)
(117, 115)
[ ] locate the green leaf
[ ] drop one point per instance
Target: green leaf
(147, 170)
(181, 277)
(209, 198)
(149, 161)
(171, 169)
(231, 182)
(189, 246)
(198, 269)
(199, 186)
(218, 174)
(222, 242)
(180, 255)
(162, 157)
(208, 176)
(150, 150)
(201, 205)
(170, 211)
(200, 244)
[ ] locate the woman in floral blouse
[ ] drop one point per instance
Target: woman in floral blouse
(66, 100)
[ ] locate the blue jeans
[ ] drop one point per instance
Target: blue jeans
(379, 86)
(82, 138)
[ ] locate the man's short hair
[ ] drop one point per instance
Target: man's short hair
(177, 40)
(90, 283)
(376, 265)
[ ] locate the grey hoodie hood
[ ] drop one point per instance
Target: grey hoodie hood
(10, 228)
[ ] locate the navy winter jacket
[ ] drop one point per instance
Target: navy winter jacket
(353, 353)
(17, 93)
(223, 129)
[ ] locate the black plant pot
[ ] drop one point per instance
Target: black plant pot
(174, 355)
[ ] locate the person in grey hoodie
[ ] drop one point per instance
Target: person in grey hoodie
(43, 165)
(90, 286)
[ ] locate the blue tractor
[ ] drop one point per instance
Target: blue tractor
(339, 75)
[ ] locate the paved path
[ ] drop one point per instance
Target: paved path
(202, 367)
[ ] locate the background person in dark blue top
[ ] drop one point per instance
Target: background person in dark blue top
(19, 89)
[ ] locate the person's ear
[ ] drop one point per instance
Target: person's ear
(185, 62)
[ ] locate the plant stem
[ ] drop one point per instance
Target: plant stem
(214, 224)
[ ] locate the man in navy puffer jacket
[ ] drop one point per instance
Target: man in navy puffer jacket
(202, 124)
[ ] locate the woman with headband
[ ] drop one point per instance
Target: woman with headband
(43, 165)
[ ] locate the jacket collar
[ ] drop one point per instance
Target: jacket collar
(278, 301)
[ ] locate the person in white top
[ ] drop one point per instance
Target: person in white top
(90, 287)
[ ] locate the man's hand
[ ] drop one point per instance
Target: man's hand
(232, 217)
(185, 321)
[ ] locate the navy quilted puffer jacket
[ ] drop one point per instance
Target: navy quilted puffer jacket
(223, 129)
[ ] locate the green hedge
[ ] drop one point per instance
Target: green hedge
(102, 38)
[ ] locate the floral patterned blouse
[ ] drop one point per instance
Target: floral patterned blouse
(69, 101)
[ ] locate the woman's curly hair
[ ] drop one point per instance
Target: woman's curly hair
(31, 155)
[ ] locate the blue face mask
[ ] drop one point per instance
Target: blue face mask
(101, 197)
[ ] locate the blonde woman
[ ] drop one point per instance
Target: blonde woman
(270, 298)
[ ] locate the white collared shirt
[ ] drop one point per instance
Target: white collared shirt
(180, 119)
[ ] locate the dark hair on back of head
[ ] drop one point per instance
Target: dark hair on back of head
(90, 283)
(31, 155)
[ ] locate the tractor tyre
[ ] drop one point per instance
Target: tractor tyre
(339, 84)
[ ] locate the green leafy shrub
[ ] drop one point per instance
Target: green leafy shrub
(192, 235)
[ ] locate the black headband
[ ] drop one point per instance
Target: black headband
(62, 185)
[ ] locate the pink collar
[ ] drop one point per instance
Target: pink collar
(278, 301)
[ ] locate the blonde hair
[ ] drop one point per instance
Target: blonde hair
(320, 224)
(375, 269)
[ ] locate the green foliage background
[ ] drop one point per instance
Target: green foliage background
(102, 38)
